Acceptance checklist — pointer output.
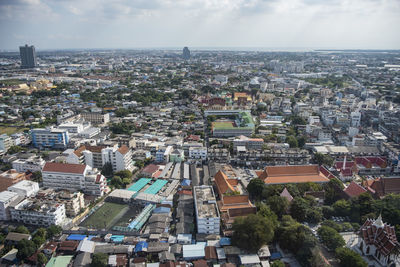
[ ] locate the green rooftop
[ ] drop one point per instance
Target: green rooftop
(60, 261)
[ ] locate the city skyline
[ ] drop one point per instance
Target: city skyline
(274, 24)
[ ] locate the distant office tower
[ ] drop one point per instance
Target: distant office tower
(28, 56)
(186, 53)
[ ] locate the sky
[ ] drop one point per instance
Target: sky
(284, 24)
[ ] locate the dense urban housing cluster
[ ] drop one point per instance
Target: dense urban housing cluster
(199, 158)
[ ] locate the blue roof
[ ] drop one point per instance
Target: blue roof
(117, 238)
(225, 241)
(275, 256)
(140, 246)
(162, 210)
(76, 237)
(185, 182)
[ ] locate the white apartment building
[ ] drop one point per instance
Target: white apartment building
(34, 212)
(97, 156)
(5, 142)
(50, 138)
(96, 117)
(6, 199)
(207, 214)
(198, 153)
(32, 164)
(249, 143)
(120, 158)
(25, 188)
(73, 177)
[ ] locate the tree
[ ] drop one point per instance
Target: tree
(53, 230)
(349, 258)
(342, 207)
(22, 230)
(301, 141)
(41, 259)
(255, 188)
(139, 164)
(266, 212)
(25, 249)
(332, 224)
(298, 209)
(252, 232)
(278, 204)
(330, 237)
(107, 170)
(99, 260)
(124, 174)
(39, 237)
(37, 176)
(292, 141)
(277, 263)
(14, 149)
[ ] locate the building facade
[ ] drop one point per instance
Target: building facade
(73, 177)
(207, 214)
(49, 138)
(28, 56)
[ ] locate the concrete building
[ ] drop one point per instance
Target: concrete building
(49, 138)
(198, 153)
(38, 212)
(5, 142)
(249, 143)
(97, 156)
(207, 214)
(6, 199)
(96, 117)
(31, 164)
(25, 188)
(163, 153)
(9, 178)
(73, 177)
(74, 201)
(28, 56)
(120, 158)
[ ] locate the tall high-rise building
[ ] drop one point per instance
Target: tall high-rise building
(186, 53)
(28, 56)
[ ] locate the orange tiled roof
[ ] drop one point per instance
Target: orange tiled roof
(123, 149)
(292, 174)
(221, 180)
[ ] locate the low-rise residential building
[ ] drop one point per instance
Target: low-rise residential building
(25, 188)
(31, 164)
(249, 143)
(74, 201)
(5, 142)
(38, 212)
(10, 177)
(207, 214)
(50, 138)
(73, 177)
(198, 153)
(7, 198)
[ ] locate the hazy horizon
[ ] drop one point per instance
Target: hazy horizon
(159, 24)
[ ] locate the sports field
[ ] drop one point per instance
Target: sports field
(106, 216)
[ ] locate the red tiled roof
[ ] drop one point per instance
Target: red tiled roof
(64, 167)
(354, 190)
(221, 181)
(152, 168)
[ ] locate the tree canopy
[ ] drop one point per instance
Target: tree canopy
(252, 232)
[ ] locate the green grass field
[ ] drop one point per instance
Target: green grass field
(106, 216)
(11, 130)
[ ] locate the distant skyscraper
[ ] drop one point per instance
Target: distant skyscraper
(186, 53)
(28, 56)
